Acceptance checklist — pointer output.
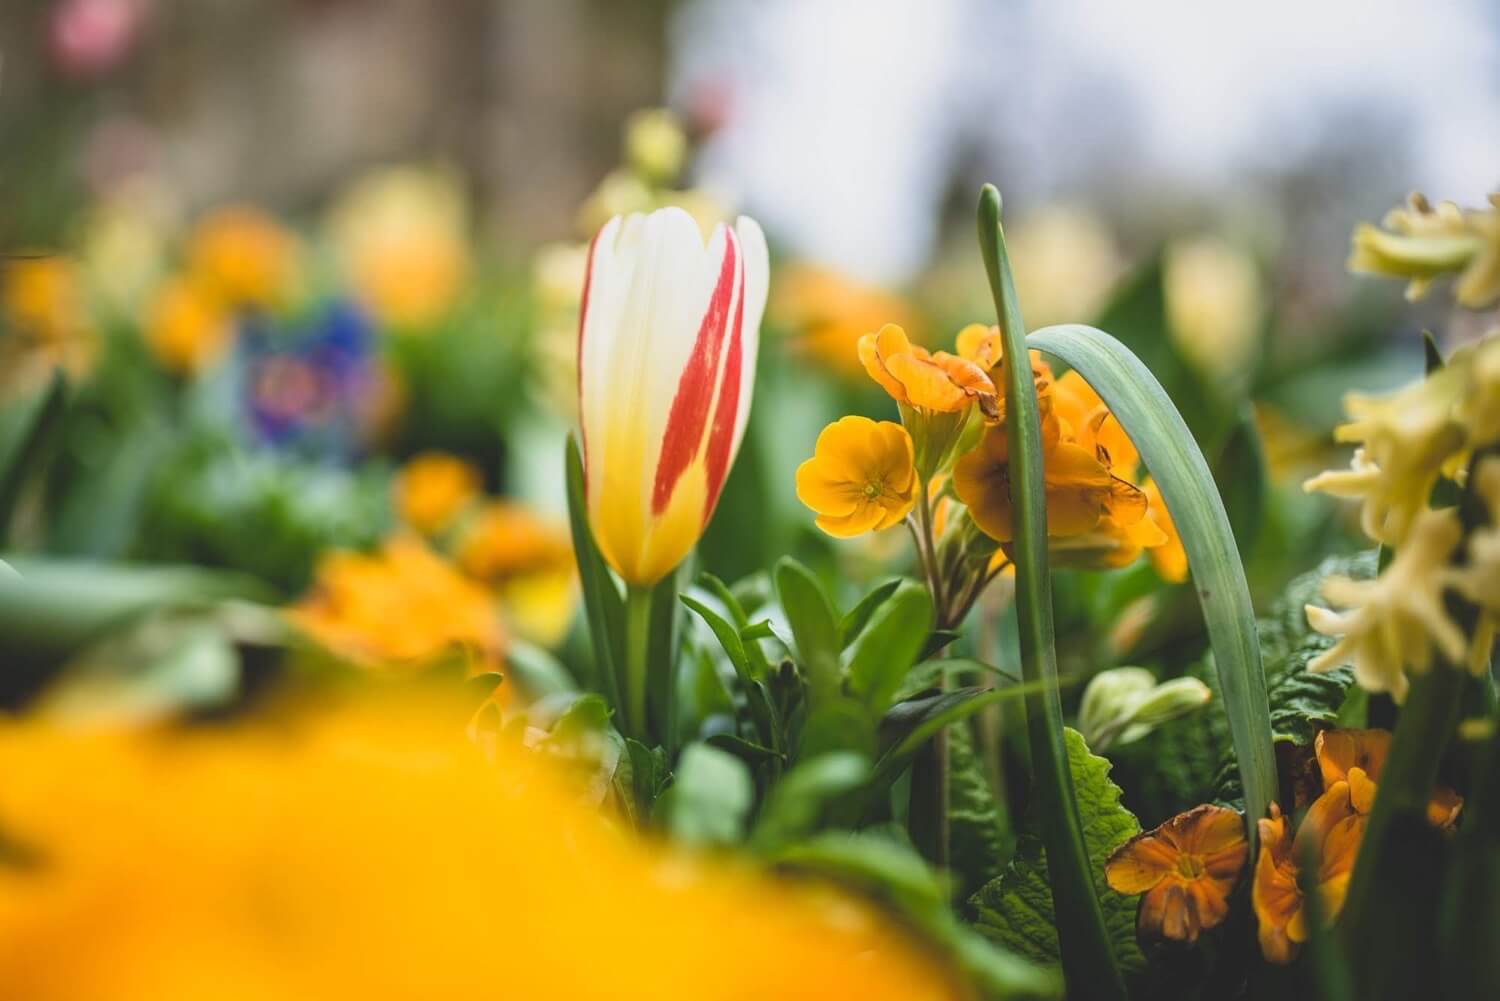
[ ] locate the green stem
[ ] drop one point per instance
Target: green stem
(637, 660)
(1088, 961)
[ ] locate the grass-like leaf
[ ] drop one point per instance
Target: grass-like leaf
(1143, 408)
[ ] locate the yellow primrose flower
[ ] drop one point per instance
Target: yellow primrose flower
(45, 320)
(403, 608)
(372, 852)
(1275, 895)
(1422, 243)
(1169, 558)
(529, 561)
(1186, 868)
(861, 477)
(401, 236)
(1393, 622)
(243, 256)
(825, 313)
(1408, 439)
(924, 380)
(432, 488)
(186, 328)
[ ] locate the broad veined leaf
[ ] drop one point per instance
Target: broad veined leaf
(1016, 909)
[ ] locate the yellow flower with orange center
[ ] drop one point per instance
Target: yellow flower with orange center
(433, 488)
(1186, 868)
(861, 477)
(186, 328)
(934, 382)
(243, 256)
(403, 608)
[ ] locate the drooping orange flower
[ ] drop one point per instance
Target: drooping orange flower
(403, 608)
(433, 488)
(861, 477)
(1326, 832)
(1186, 868)
(931, 381)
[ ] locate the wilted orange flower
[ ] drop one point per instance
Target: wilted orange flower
(861, 476)
(186, 328)
(243, 256)
(1186, 868)
(403, 608)
(374, 854)
(1277, 899)
(433, 488)
(939, 382)
(1357, 757)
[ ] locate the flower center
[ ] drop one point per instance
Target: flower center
(1189, 866)
(872, 490)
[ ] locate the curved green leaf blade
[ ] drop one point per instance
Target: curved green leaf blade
(885, 650)
(1167, 446)
(1087, 960)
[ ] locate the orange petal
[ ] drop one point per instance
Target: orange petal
(1340, 750)
(874, 351)
(1443, 809)
(1140, 863)
(863, 519)
(926, 384)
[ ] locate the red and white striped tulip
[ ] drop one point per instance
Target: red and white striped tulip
(667, 341)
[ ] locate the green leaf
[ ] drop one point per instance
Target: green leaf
(859, 615)
(888, 646)
(796, 803)
(750, 669)
(710, 797)
(910, 724)
(1016, 909)
(895, 874)
(977, 829)
(838, 724)
(1088, 964)
(26, 438)
(536, 671)
(1167, 446)
(814, 630)
(602, 601)
(648, 773)
(930, 673)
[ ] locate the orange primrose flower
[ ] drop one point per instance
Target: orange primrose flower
(186, 328)
(1186, 868)
(861, 477)
(1326, 831)
(432, 488)
(918, 378)
(1357, 757)
(244, 256)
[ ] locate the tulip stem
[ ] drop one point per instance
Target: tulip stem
(637, 653)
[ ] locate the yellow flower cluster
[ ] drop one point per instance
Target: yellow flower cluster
(1350, 762)
(1421, 243)
(1409, 440)
(369, 853)
(945, 468)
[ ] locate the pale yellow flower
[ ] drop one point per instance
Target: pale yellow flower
(1394, 622)
(1408, 439)
(1065, 263)
(1214, 304)
(655, 145)
(1422, 243)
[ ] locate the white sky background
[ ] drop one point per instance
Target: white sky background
(848, 116)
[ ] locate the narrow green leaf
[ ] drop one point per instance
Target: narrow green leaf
(1088, 963)
(908, 725)
(751, 673)
(889, 645)
(726, 597)
(28, 444)
(1432, 355)
(814, 628)
(710, 797)
(602, 602)
(1167, 446)
(859, 615)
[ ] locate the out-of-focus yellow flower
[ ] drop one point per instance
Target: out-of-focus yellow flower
(1169, 559)
(825, 313)
(1408, 438)
(1065, 263)
(1214, 304)
(243, 256)
(1275, 895)
(374, 854)
(861, 477)
(46, 322)
(402, 609)
(655, 145)
(621, 193)
(433, 488)
(401, 234)
(1394, 622)
(124, 241)
(1186, 868)
(186, 328)
(530, 563)
(1421, 243)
